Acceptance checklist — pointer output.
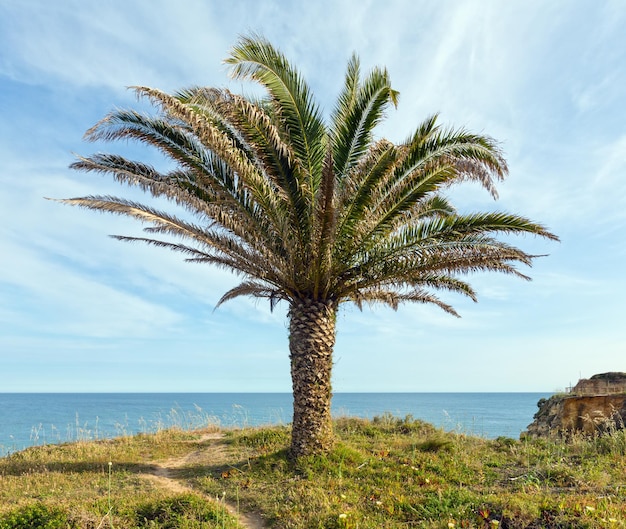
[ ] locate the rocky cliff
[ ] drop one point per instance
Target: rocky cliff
(593, 405)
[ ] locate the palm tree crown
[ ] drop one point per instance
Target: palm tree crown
(308, 210)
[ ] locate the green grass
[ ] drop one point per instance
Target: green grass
(385, 473)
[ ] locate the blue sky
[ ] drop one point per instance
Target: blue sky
(80, 311)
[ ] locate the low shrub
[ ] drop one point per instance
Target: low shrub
(35, 516)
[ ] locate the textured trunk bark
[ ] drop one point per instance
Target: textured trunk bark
(311, 342)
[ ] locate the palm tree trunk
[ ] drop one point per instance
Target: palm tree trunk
(311, 342)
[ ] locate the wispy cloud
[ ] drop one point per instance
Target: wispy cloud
(112, 44)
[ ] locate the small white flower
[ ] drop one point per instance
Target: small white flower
(343, 516)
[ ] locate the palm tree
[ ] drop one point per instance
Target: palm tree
(311, 211)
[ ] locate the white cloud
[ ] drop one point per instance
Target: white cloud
(591, 96)
(66, 302)
(112, 44)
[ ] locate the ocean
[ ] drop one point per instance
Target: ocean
(28, 419)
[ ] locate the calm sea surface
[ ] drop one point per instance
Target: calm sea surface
(28, 419)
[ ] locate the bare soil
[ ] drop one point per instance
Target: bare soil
(165, 475)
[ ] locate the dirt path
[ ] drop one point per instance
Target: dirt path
(164, 475)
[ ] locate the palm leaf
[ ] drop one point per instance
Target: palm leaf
(302, 124)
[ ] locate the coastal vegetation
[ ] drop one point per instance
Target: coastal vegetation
(309, 210)
(387, 472)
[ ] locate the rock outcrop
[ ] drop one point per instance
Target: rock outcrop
(593, 405)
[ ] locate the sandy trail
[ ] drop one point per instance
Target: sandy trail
(164, 475)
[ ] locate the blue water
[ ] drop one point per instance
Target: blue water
(28, 419)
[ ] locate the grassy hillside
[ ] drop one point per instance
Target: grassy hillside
(389, 472)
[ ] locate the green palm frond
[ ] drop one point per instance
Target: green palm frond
(256, 59)
(360, 188)
(460, 225)
(360, 108)
(428, 164)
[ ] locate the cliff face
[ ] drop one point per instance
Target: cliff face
(594, 405)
